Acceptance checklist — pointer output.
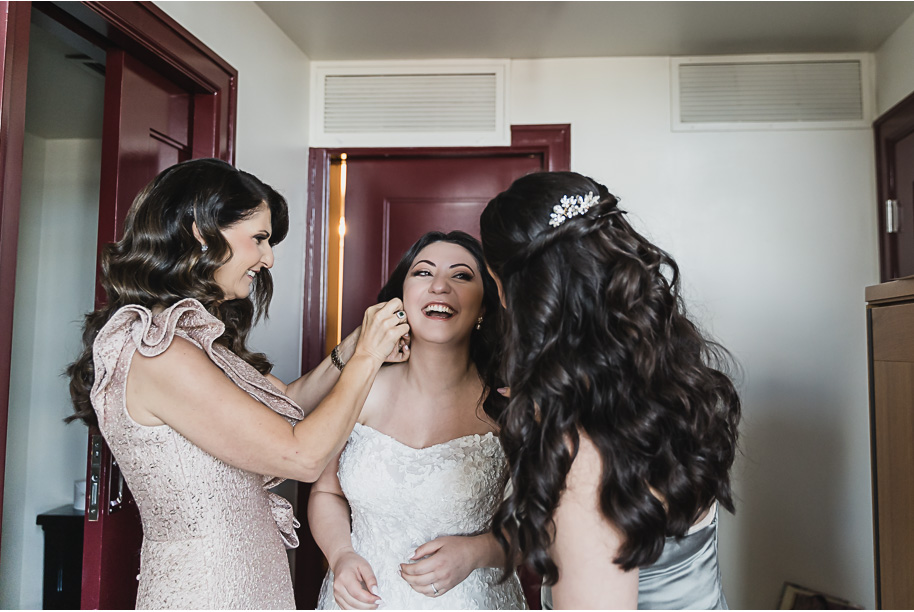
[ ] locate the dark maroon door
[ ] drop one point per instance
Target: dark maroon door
(14, 52)
(903, 167)
(894, 133)
(392, 201)
(146, 129)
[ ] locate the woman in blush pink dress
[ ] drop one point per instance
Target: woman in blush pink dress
(199, 427)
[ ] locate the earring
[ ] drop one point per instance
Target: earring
(204, 248)
(479, 323)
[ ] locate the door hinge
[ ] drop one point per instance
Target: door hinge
(95, 476)
(892, 222)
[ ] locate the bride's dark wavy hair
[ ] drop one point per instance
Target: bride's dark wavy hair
(159, 261)
(597, 342)
(485, 342)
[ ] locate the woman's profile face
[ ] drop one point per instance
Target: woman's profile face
(442, 293)
(251, 253)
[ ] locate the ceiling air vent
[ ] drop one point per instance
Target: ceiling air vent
(771, 92)
(409, 104)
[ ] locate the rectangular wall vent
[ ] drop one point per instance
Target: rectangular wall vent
(409, 104)
(771, 93)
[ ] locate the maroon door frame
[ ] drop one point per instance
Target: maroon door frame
(14, 56)
(552, 142)
(894, 125)
(145, 32)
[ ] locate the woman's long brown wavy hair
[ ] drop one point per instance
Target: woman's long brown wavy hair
(597, 342)
(159, 261)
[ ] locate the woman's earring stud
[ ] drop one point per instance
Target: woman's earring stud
(204, 248)
(479, 323)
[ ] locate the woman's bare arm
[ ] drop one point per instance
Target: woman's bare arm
(586, 543)
(354, 583)
(311, 388)
(183, 388)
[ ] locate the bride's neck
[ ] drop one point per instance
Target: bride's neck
(438, 367)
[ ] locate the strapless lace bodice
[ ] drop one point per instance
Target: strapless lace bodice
(402, 497)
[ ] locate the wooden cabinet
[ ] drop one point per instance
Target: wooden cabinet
(890, 333)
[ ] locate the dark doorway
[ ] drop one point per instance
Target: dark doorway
(54, 288)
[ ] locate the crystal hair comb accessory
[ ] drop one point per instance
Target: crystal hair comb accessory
(571, 206)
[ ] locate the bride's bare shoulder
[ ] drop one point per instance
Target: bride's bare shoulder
(383, 393)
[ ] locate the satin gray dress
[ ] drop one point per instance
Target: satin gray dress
(685, 577)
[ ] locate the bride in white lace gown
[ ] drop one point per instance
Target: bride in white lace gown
(403, 516)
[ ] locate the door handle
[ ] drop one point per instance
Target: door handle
(95, 476)
(892, 220)
(115, 488)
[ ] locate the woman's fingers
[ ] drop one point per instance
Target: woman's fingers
(391, 307)
(353, 598)
(370, 592)
(421, 573)
(423, 580)
(430, 584)
(400, 352)
(352, 587)
(382, 328)
(428, 548)
(423, 584)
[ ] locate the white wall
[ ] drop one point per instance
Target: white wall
(894, 68)
(775, 233)
(55, 282)
(272, 144)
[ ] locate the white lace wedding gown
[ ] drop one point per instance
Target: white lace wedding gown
(402, 497)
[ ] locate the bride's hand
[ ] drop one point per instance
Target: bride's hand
(448, 561)
(354, 584)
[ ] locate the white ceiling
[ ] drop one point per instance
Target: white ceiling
(434, 30)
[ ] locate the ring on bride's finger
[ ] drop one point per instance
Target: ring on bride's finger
(434, 588)
(400, 314)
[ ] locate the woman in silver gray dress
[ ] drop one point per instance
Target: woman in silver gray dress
(622, 423)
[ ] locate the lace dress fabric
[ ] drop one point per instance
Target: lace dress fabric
(402, 497)
(213, 536)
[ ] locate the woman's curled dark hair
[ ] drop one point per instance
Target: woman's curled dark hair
(597, 342)
(485, 342)
(159, 261)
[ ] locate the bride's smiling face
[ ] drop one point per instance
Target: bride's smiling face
(442, 293)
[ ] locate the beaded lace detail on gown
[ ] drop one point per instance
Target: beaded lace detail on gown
(402, 497)
(213, 536)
